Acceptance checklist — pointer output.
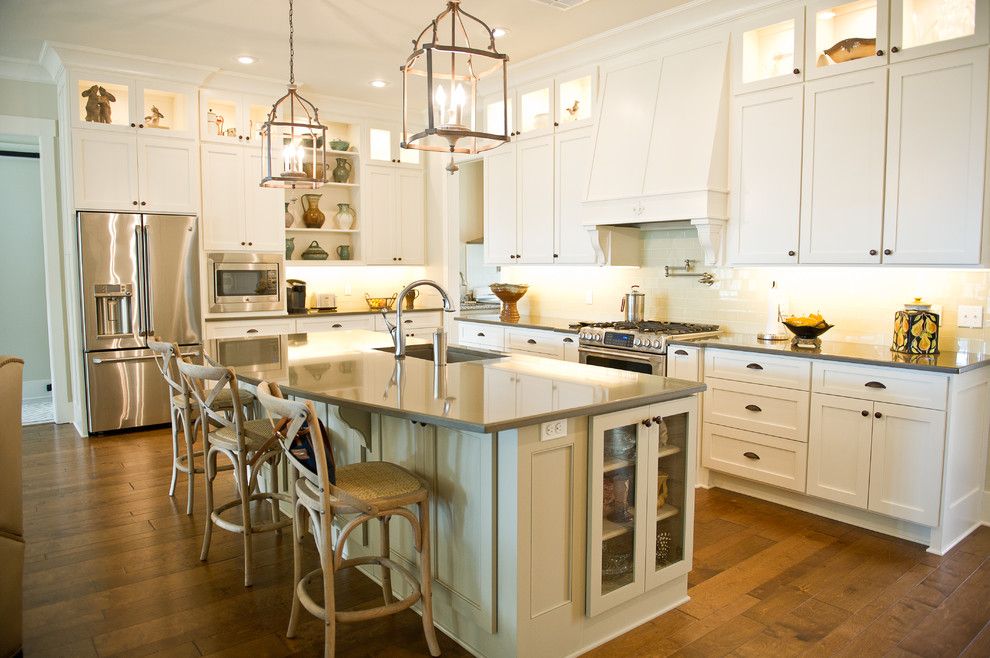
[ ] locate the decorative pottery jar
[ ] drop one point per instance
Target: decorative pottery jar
(289, 217)
(342, 171)
(290, 246)
(315, 252)
(916, 329)
(344, 216)
(344, 252)
(313, 217)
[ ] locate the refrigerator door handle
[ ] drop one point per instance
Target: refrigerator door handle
(140, 296)
(126, 359)
(146, 283)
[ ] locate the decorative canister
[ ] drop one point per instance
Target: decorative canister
(289, 217)
(315, 252)
(916, 329)
(313, 217)
(342, 171)
(290, 246)
(344, 216)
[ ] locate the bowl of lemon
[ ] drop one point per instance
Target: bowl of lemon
(807, 330)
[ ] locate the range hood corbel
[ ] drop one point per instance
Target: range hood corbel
(711, 235)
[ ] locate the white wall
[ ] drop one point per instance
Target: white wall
(24, 332)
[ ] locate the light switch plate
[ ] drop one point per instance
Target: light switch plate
(555, 429)
(970, 316)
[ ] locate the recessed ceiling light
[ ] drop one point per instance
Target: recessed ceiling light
(499, 32)
(246, 59)
(378, 84)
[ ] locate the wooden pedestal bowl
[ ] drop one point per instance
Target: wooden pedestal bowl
(509, 294)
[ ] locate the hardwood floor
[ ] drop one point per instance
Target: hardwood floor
(113, 569)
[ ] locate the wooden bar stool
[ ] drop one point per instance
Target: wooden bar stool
(371, 490)
(248, 444)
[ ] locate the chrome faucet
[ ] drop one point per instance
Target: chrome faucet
(395, 330)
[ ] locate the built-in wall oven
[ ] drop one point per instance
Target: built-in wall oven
(245, 282)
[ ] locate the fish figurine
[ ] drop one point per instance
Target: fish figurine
(848, 49)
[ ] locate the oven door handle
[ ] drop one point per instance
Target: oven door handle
(621, 355)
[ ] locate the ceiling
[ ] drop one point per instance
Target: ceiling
(341, 45)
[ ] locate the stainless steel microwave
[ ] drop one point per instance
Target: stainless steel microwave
(243, 282)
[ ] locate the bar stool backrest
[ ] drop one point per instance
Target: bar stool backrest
(166, 356)
(206, 383)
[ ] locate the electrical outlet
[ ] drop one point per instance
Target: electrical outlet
(555, 429)
(970, 316)
(589, 296)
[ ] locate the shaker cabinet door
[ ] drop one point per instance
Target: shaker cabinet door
(572, 163)
(411, 218)
(500, 206)
(379, 215)
(223, 198)
(105, 170)
(534, 189)
(839, 443)
(264, 210)
(169, 177)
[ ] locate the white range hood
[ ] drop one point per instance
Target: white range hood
(661, 140)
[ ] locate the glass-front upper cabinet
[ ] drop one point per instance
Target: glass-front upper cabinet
(232, 118)
(845, 36)
(576, 93)
(927, 27)
(768, 51)
(494, 113)
(113, 102)
(383, 146)
(535, 109)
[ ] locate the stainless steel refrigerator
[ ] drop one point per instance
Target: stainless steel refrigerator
(139, 279)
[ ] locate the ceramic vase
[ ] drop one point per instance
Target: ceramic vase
(290, 246)
(313, 217)
(342, 171)
(344, 252)
(344, 216)
(289, 217)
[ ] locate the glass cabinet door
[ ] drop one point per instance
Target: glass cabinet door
(494, 114)
(928, 27)
(615, 553)
(220, 116)
(575, 92)
(535, 109)
(103, 101)
(768, 51)
(167, 110)
(845, 36)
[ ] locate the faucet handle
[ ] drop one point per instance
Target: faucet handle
(388, 325)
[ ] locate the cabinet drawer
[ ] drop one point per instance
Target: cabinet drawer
(782, 412)
(411, 321)
(895, 385)
(544, 343)
(248, 328)
(305, 325)
(755, 456)
(684, 362)
(481, 335)
(785, 371)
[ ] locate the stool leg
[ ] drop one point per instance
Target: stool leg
(187, 433)
(245, 492)
(298, 528)
(426, 577)
(329, 604)
(175, 451)
(386, 553)
(210, 468)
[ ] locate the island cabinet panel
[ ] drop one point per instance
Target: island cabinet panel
(552, 563)
(839, 445)
(641, 501)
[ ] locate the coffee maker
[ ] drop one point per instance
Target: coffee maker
(295, 296)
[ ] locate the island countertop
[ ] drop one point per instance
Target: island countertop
(502, 392)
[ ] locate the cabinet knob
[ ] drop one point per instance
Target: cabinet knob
(556, 255)
(248, 138)
(393, 258)
(879, 53)
(753, 407)
(400, 257)
(878, 415)
(556, 125)
(134, 203)
(874, 385)
(754, 366)
(250, 244)
(658, 419)
(865, 413)
(648, 423)
(133, 125)
(140, 125)
(873, 252)
(751, 455)
(888, 252)
(239, 137)
(243, 243)
(895, 49)
(797, 71)
(512, 256)
(518, 256)
(792, 253)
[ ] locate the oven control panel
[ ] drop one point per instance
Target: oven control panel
(616, 339)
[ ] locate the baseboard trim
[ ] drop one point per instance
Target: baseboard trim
(985, 508)
(35, 389)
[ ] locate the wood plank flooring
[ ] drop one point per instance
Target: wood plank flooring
(113, 569)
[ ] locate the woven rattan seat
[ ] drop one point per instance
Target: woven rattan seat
(373, 482)
(223, 400)
(256, 432)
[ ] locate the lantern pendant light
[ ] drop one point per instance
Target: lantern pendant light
(449, 74)
(293, 141)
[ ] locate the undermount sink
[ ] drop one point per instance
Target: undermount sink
(454, 354)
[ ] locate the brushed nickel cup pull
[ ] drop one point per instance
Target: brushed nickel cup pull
(680, 352)
(874, 385)
(751, 455)
(754, 366)
(753, 407)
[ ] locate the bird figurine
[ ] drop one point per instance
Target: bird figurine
(573, 109)
(152, 119)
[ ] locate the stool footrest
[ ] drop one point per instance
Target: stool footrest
(348, 616)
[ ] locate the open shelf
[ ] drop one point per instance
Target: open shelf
(332, 184)
(666, 512)
(668, 450)
(328, 261)
(612, 529)
(321, 230)
(616, 464)
(353, 154)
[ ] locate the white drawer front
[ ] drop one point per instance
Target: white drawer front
(411, 321)
(249, 328)
(895, 385)
(785, 371)
(755, 456)
(305, 325)
(684, 362)
(544, 343)
(481, 335)
(781, 412)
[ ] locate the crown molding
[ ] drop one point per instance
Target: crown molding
(24, 70)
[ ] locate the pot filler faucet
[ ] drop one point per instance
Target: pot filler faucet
(439, 336)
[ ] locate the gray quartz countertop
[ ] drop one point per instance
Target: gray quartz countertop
(874, 355)
(501, 392)
(314, 313)
(526, 321)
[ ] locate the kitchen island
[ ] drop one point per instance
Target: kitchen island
(562, 493)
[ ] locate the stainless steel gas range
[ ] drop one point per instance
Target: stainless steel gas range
(634, 346)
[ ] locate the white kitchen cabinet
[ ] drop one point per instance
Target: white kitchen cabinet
(919, 28)
(684, 362)
(639, 538)
(383, 147)
(535, 200)
(249, 328)
(767, 50)
(236, 118)
(830, 22)
(936, 152)
(395, 215)
(500, 206)
(843, 170)
(238, 214)
(116, 171)
(543, 107)
(485, 336)
(535, 109)
(132, 104)
(331, 323)
(839, 447)
(766, 175)
(572, 162)
(906, 462)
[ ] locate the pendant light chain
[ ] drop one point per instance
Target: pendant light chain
(292, 51)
